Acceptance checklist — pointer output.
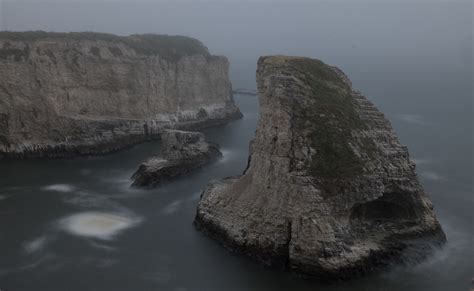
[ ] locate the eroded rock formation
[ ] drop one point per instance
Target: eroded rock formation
(329, 190)
(183, 151)
(69, 94)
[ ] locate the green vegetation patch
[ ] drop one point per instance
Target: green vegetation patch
(167, 46)
(95, 51)
(17, 54)
(328, 119)
(117, 52)
(171, 47)
(50, 54)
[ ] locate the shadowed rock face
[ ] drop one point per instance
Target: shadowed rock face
(183, 152)
(71, 94)
(329, 190)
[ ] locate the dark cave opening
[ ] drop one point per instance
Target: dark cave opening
(389, 208)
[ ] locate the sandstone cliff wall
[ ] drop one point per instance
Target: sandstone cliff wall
(88, 93)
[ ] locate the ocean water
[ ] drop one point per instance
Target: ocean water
(77, 225)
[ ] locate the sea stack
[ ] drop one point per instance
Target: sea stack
(183, 152)
(329, 190)
(78, 94)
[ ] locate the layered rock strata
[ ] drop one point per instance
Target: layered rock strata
(329, 190)
(183, 152)
(73, 94)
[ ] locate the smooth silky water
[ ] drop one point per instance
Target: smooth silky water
(77, 225)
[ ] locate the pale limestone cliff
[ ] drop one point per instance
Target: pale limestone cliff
(68, 94)
(329, 190)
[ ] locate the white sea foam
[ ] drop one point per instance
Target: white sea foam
(105, 263)
(412, 118)
(172, 207)
(35, 245)
(195, 196)
(120, 180)
(226, 154)
(86, 199)
(101, 225)
(101, 246)
(420, 162)
(159, 276)
(85, 172)
(458, 242)
(59, 188)
(432, 176)
(100, 262)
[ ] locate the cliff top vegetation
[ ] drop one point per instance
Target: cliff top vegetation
(167, 46)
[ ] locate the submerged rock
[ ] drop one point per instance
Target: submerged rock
(183, 151)
(329, 190)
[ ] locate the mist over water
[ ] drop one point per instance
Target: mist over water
(77, 225)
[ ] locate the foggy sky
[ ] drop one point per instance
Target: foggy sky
(410, 58)
(361, 37)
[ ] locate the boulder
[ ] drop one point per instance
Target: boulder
(183, 152)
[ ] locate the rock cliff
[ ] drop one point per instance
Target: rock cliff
(329, 190)
(69, 94)
(183, 152)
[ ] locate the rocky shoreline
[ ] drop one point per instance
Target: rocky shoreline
(83, 94)
(108, 142)
(413, 250)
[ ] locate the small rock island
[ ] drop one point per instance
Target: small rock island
(329, 190)
(183, 152)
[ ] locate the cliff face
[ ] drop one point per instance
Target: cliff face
(87, 93)
(329, 190)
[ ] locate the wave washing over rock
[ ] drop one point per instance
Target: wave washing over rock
(79, 94)
(329, 190)
(59, 188)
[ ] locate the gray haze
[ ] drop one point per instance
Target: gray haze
(359, 36)
(414, 59)
(405, 55)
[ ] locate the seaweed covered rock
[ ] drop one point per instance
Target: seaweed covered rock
(329, 190)
(183, 151)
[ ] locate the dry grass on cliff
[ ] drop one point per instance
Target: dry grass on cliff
(171, 47)
(329, 120)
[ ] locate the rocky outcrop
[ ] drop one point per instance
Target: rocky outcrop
(70, 94)
(329, 190)
(183, 152)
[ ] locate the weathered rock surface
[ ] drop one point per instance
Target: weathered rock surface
(329, 190)
(183, 151)
(70, 94)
